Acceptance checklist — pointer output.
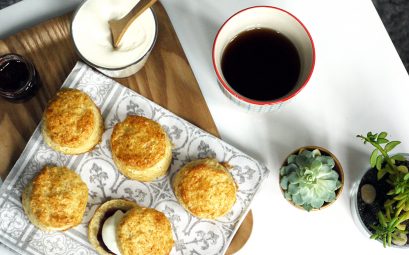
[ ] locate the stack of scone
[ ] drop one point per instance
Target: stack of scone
(141, 149)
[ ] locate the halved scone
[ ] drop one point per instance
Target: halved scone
(122, 227)
(103, 212)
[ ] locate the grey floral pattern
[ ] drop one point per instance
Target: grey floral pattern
(137, 194)
(54, 245)
(96, 168)
(206, 239)
(161, 190)
(98, 176)
(12, 220)
(243, 173)
(205, 151)
(170, 214)
(174, 132)
(133, 108)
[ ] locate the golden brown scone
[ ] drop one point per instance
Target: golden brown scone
(55, 199)
(144, 231)
(103, 212)
(205, 188)
(72, 123)
(140, 148)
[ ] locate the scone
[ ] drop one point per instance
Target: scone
(140, 148)
(103, 212)
(72, 123)
(122, 227)
(55, 199)
(144, 231)
(205, 188)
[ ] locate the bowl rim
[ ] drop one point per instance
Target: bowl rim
(338, 168)
(240, 97)
(111, 68)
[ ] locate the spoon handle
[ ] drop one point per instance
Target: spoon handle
(137, 10)
(119, 27)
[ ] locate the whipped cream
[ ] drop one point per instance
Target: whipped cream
(92, 36)
(109, 231)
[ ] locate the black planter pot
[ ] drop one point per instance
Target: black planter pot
(365, 214)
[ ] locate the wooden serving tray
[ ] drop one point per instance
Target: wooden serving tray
(166, 79)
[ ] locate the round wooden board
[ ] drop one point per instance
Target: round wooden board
(50, 48)
(242, 235)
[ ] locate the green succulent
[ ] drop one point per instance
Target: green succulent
(309, 180)
(393, 218)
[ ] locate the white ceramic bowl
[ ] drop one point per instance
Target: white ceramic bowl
(265, 17)
(93, 42)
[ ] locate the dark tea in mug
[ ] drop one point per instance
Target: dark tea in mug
(261, 64)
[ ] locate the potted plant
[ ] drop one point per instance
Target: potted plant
(380, 199)
(311, 178)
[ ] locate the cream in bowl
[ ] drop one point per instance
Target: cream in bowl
(93, 41)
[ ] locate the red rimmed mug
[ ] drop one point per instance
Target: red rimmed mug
(280, 21)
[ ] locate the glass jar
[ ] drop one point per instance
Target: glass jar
(19, 79)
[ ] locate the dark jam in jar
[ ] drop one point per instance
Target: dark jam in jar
(18, 78)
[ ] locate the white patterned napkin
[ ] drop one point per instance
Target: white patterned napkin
(192, 235)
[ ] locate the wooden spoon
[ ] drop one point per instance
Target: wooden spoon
(119, 27)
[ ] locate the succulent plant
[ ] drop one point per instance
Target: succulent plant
(393, 218)
(309, 180)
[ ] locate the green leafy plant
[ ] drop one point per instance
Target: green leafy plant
(309, 180)
(392, 220)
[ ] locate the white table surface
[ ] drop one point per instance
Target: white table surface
(359, 85)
